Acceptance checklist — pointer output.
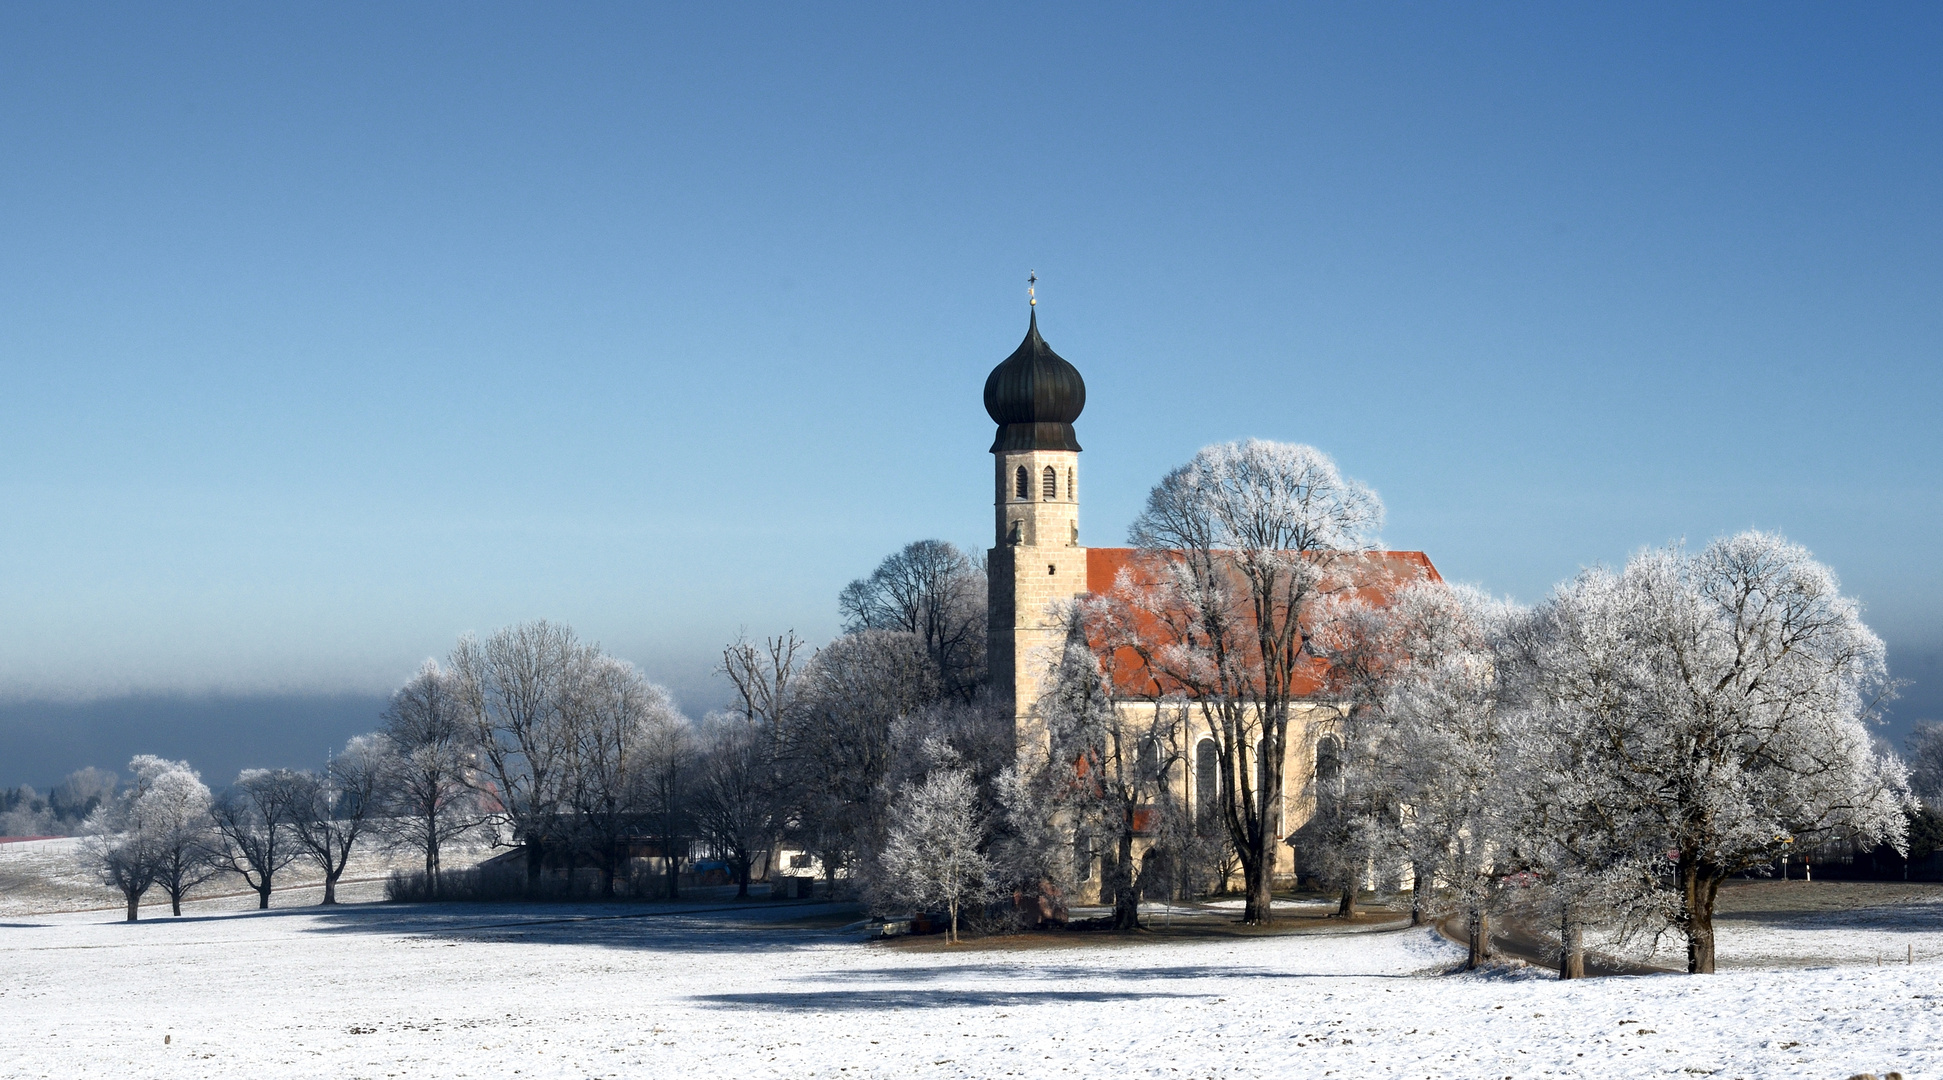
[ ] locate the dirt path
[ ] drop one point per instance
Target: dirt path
(1516, 939)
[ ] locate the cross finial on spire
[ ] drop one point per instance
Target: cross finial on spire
(1031, 279)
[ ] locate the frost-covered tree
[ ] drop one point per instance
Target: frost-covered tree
(1449, 749)
(427, 798)
(512, 688)
(933, 856)
(1354, 788)
(122, 848)
(1595, 851)
(1742, 708)
(1241, 542)
(613, 717)
(253, 817)
(329, 813)
(933, 590)
(172, 804)
(1105, 777)
(80, 792)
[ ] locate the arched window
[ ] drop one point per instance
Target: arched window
(1020, 485)
(1329, 759)
(1207, 782)
(1147, 763)
(1049, 484)
(1083, 855)
(1329, 768)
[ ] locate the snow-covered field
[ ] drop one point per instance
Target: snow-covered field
(772, 990)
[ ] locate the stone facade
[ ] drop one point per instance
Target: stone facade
(1035, 566)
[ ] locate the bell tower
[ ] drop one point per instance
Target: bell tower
(1036, 561)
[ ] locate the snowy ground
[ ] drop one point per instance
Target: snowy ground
(1762, 924)
(775, 990)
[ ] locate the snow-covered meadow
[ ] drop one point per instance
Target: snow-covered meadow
(777, 990)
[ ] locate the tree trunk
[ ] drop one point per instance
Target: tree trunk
(534, 855)
(1257, 871)
(952, 937)
(1698, 888)
(1416, 895)
(1571, 944)
(432, 868)
(134, 902)
(742, 878)
(673, 866)
(175, 904)
(263, 895)
(1126, 896)
(1346, 904)
(1480, 934)
(330, 886)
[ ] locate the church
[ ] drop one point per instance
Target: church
(1037, 564)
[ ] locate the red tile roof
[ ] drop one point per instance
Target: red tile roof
(1373, 577)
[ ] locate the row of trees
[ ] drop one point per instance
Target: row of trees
(167, 830)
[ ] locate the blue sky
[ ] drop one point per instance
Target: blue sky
(329, 333)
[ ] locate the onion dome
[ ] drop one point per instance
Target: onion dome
(1034, 396)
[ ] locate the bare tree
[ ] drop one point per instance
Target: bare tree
(253, 825)
(667, 796)
(1240, 542)
(1925, 755)
(764, 676)
(512, 688)
(836, 746)
(737, 801)
(933, 590)
(331, 812)
(428, 801)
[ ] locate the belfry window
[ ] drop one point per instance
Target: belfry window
(1020, 485)
(1071, 487)
(1049, 484)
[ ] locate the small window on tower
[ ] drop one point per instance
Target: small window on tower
(1071, 487)
(1019, 485)
(1049, 484)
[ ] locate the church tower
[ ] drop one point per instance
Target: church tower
(1033, 396)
